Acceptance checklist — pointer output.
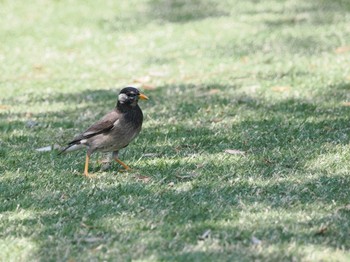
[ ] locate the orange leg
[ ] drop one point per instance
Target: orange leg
(86, 172)
(123, 164)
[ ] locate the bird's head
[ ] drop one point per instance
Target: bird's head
(130, 96)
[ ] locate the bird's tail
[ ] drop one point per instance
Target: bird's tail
(71, 147)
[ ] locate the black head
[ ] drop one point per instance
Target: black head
(130, 96)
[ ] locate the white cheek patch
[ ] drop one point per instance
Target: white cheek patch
(122, 98)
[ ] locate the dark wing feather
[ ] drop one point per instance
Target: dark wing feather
(104, 125)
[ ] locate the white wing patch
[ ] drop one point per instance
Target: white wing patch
(116, 123)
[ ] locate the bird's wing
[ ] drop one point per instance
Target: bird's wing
(104, 125)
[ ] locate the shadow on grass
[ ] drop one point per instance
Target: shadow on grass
(170, 11)
(275, 36)
(182, 127)
(163, 224)
(319, 12)
(281, 140)
(180, 11)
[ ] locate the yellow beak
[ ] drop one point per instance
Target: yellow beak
(143, 97)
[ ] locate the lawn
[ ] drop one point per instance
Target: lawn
(244, 153)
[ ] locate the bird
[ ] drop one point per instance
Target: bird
(113, 131)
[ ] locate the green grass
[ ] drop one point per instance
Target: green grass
(270, 78)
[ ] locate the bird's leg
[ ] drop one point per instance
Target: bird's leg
(115, 157)
(86, 172)
(122, 163)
